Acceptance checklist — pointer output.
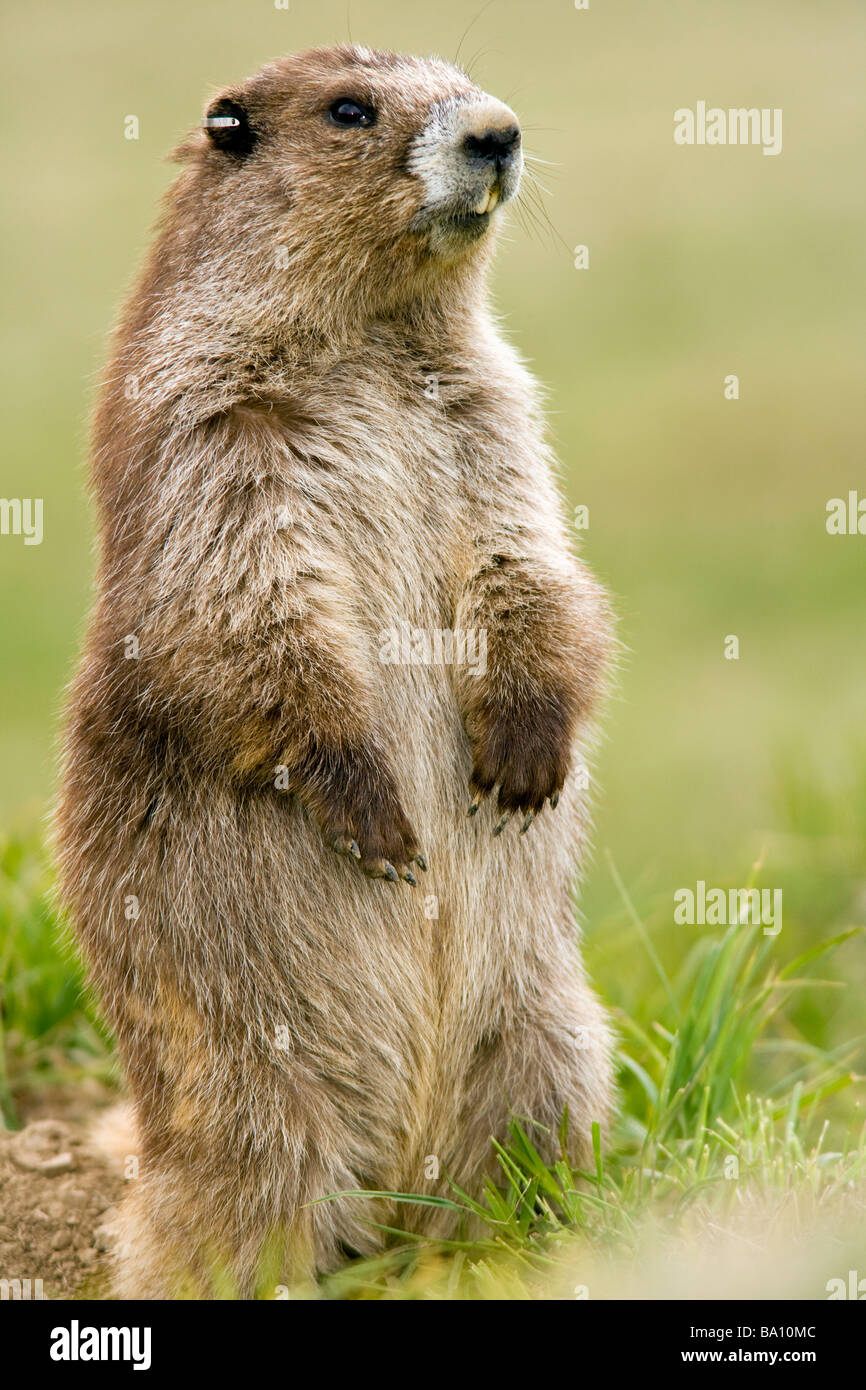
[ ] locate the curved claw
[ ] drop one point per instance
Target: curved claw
(475, 803)
(500, 825)
(554, 801)
(530, 817)
(421, 862)
(380, 868)
(409, 877)
(344, 844)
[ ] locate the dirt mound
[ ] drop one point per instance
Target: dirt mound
(56, 1195)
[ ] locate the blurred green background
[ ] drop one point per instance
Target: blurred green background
(707, 516)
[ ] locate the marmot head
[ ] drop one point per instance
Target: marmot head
(365, 176)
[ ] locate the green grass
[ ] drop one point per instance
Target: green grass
(738, 1060)
(49, 1034)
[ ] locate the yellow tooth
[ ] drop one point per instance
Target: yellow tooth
(488, 202)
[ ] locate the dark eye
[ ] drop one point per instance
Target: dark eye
(348, 112)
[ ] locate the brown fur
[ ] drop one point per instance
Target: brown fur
(291, 1025)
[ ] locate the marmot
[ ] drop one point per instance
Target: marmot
(323, 975)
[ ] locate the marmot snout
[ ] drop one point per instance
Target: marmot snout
(337, 609)
(468, 159)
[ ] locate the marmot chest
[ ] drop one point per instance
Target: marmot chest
(387, 475)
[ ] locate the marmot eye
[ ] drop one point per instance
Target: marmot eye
(348, 112)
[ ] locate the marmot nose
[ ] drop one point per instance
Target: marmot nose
(494, 146)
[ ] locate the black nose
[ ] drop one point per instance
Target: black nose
(497, 147)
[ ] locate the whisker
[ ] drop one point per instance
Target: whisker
(536, 159)
(469, 26)
(535, 206)
(536, 183)
(529, 221)
(480, 53)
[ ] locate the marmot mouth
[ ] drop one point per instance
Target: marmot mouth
(472, 222)
(452, 230)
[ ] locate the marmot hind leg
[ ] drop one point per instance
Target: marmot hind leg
(236, 1208)
(553, 1054)
(177, 1236)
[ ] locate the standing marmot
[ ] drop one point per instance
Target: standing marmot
(312, 437)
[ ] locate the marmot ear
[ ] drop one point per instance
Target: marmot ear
(228, 126)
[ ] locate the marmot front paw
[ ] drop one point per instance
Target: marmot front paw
(353, 798)
(378, 861)
(525, 751)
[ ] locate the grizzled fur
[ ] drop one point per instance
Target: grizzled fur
(278, 484)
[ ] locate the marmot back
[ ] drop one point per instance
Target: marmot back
(317, 831)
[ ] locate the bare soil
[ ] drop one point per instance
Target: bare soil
(57, 1194)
